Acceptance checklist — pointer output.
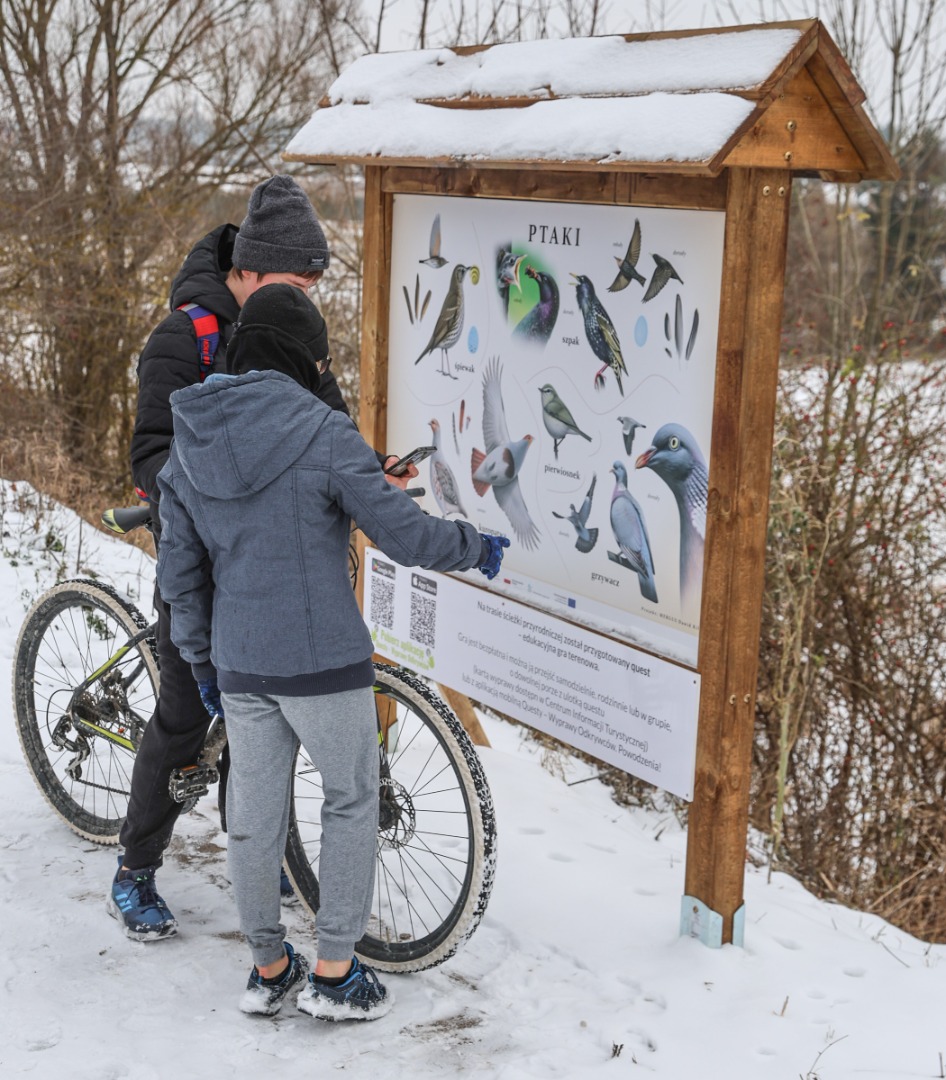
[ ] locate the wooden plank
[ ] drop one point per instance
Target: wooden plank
(743, 428)
(798, 131)
(641, 189)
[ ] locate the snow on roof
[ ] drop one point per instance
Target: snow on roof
(604, 100)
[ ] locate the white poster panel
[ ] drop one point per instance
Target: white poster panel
(630, 709)
(562, 358)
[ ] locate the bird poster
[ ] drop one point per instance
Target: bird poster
(576, 343)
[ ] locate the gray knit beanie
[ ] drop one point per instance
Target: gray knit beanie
(280, 233)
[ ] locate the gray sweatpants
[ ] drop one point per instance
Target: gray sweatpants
(339, 732)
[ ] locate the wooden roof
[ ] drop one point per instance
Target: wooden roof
(806, 113)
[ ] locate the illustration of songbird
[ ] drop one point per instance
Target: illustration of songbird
(675, 457)
(498, 468)
(449, 324)
(587, 538)
(434, 259)
(442, 480)
(507, 273)
(537, 324)
(558, 419)
(627, 267)
(602, 337)
(628, 427)
(630, 532)
(663, 272)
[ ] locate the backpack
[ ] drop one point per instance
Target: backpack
(207, 330)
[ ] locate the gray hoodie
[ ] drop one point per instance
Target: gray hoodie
(257, 499)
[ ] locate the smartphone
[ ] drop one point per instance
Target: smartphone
(415, 457)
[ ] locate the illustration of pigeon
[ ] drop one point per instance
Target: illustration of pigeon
(628, 427)
(663, 272)
(677, 460)
(507, 273)
(537, 324)
(559, 421)
(442, 481)
(627, 267)
(602, 337)
(434, 259)
(498, 468)
(449, 324)
(630, 532)
(587, 538)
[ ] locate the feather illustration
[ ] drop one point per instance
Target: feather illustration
(693, 330)
(678, 325)
(423, 310)
(416, 291)
(456, 441)
(462, 410)
(407, 300)
(667, 326)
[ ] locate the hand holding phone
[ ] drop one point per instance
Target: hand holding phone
(415, 457)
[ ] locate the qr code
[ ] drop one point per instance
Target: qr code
(423, 618)
(382, 602)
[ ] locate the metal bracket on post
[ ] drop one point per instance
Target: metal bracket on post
(699, 921)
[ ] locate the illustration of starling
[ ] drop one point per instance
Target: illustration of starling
(675, 457)
(628, 426)
(663, 272)
(587, 538)
(449, 324)
(434, 259)
(627, 267)
(537, 324)
(602, 337)
(559, 421)
(630, 532)
(442, 481)
(498, 468)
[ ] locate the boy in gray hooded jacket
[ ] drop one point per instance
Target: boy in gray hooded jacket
(257, 499)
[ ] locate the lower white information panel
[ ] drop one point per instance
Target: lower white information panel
(626, 707)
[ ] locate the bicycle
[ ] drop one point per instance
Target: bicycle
(85, 683)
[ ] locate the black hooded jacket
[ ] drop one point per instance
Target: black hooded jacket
(170, 362)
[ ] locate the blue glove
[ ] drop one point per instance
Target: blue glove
(210, 696)
(492, 557)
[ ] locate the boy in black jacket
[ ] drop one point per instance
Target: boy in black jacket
(279, 241)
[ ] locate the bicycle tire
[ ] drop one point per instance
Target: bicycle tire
(410, 929)
(69, 632)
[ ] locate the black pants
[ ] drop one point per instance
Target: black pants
(172, 738)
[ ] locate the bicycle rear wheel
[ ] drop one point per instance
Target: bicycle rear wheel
(436, 836)
(69, 634)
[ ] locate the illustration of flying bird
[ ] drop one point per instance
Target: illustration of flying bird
(630, 532)
(498, 468)
(434, 258)
(675, 457)
(449, 324)
(558, 419)
(627, 267)
(442, 481)
(663, 272)
(587, 538)
(602, 337)
(628, 427)
(537, 324)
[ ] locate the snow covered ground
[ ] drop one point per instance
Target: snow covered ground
(577, 969)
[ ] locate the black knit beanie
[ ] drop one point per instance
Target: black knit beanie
(279, 329)
(280, 233)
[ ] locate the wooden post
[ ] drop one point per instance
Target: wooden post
(743, 429)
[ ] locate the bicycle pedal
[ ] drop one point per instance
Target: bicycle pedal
(191, 782)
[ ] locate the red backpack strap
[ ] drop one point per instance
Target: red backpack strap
(207, 330)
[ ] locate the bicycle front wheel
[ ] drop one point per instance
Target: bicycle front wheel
(80, 747)
(436, 850)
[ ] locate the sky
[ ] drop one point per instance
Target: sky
(577, 969)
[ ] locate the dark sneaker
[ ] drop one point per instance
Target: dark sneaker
(265, 997)
(287, 894)
(134, 901)
(359, 997)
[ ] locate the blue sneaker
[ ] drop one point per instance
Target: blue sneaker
(359, 997)
(287, 895)
(134, 901)
(265, 997)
